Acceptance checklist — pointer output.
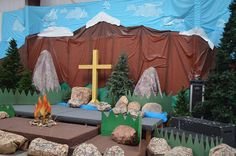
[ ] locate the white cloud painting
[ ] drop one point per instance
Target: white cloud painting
(77, 13)
(146, 10)
(106, 5)
(18, 26)
(50, 18)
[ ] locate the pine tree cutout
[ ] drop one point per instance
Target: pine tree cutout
(11, 68)
(25, 83)
(220, 94)
(182, 106)
(119, 83)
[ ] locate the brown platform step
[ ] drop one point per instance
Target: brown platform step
(64, 133)
(103, 142)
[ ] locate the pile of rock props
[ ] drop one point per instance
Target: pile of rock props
(42, 113)
(159, 146)
(123, 106)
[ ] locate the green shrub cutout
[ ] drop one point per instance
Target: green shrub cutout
(200, 146)
(8, 108)
(182, 104)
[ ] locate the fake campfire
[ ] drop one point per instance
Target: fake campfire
(42, 114)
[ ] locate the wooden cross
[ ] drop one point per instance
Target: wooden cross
(95, 66)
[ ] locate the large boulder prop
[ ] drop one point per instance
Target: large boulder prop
(45, 75)
(43, 147)
(114, 151)
(80, 96)
(124, 135)
(121, 106)
(10, 142)
(157, 147)
(86, 150)
(222, 150)
(148, 84)
(3, 115)
(152, 107)
(179, 151)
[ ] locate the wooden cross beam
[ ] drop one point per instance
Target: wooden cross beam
(95, 66)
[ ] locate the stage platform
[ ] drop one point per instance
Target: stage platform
(81, 116)
(103, 142)
(64, 133)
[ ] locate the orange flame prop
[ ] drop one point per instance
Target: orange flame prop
(42, 108)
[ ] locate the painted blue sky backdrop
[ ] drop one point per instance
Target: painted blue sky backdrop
(175, 15)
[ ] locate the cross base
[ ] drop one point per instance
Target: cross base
(95, 101)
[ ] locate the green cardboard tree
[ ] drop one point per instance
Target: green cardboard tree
(220, 94)
(12, 73)
(11, 68)
(25, 83)
(182, 106)
(119, 83)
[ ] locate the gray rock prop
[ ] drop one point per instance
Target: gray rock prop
(121, 106)
(3, 115)
(222, 150)
(152, 107)
(158, 147)
(148, 84)
(10, 142)
(134, 106)
(43, 147)
(103, 106)
(45, 75)
(124, 135)
(179, 151)
(86, 150)
(79, 96)
(114, 151)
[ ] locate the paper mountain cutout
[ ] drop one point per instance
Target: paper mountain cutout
(200, 32)
(56, 32)
(102, 17)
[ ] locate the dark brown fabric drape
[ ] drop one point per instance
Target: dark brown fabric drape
(176, 57)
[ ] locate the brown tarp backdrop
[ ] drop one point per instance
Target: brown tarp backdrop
(177, 58)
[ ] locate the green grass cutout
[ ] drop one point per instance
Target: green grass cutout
(200, 146)
(19, 98)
